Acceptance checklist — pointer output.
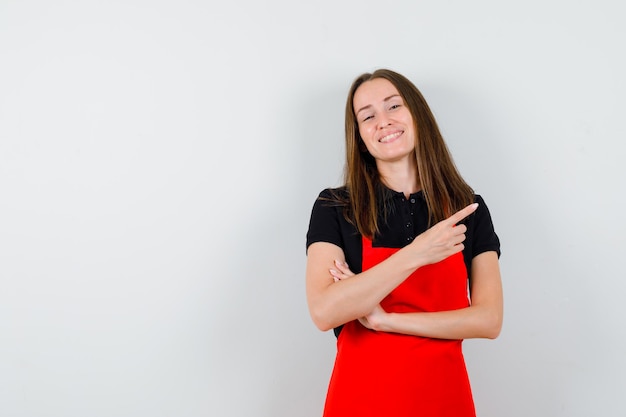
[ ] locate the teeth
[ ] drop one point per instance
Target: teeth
(389, 137)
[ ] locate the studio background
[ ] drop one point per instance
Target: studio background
(159, 161)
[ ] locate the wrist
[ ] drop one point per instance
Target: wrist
(414, 256)
(385, 322)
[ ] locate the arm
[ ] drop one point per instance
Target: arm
(334, 303)
(482, 319)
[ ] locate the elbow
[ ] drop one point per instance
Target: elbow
(326, 317)
(487, 321)
(492, 334)
(322, 325)
(493, 326)
(321, 320)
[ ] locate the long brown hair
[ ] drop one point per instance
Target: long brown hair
(444, 189)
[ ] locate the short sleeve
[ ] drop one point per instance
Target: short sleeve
(324, 225)
(484, 237)
(481, 235)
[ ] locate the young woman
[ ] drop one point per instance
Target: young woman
(402, 261)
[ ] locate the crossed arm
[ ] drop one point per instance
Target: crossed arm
(335, 295)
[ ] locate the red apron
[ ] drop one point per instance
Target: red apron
(381, 374)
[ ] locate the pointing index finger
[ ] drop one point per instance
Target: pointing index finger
(463, 213)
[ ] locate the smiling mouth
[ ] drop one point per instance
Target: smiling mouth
(391, 137)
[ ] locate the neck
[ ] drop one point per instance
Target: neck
(401, 177)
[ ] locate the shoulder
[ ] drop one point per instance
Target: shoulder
(332, 199)
(328, 222)
(330, 195)
(482, 212)
(330, 202)
(479, 199)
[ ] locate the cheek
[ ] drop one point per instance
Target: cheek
(367, 133)
(364, 141)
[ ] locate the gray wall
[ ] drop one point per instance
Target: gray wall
(159, 160)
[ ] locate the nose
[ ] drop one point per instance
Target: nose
(383, 121)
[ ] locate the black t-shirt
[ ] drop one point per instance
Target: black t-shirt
(406, 219)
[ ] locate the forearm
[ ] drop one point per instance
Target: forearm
(465, 323)
(347, 300)
(483, 319)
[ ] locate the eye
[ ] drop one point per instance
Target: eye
(394, 106)
(366, 118)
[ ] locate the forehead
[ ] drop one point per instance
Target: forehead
(373, 91)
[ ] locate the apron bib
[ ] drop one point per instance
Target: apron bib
(381, 374)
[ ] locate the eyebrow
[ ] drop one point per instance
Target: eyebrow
(369, 105)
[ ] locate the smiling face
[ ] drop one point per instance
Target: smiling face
(385, 122)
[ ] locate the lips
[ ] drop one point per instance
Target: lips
(390, 137)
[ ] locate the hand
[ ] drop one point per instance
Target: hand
(443, 239)
(374, 320)
(342, 271)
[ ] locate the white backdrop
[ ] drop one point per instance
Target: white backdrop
(158, 164)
